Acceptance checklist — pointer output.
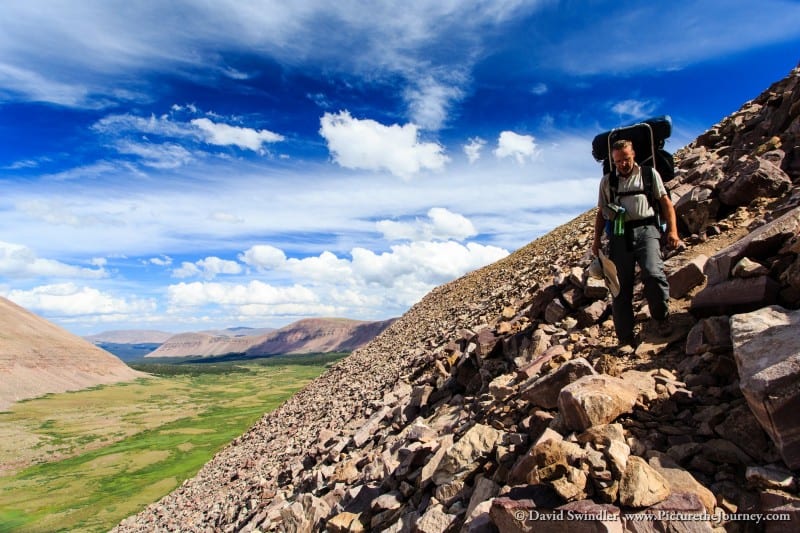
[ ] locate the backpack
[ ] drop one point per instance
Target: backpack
(648, 143)
(648, 139)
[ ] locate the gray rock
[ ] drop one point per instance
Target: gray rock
(766, 347)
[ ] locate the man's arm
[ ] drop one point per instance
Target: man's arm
(599, 227)
(668, 211)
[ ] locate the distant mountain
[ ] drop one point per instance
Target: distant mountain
(303, 336)
(320, 335)
(130, 336)
(239, 331)
(37, 357)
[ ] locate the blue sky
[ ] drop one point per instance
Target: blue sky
(191, 165)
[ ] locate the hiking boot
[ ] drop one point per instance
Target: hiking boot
(626, 346)
(626, 349)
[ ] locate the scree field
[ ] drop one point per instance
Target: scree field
(83, 461)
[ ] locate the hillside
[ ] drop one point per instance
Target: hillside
(37, 357)
(303, 336)
(500, 396)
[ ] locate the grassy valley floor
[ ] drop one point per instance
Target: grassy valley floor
(82, 461)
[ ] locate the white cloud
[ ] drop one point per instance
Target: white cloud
(422, 264)
(163, 156)
(163, 260)
(442, 224)
(198, 294)
(226, 135)
(163, 125)
(367, 144)
(429, 103)
(263, 257)
(18, 261)
(68, 299)
(208, 268)
(473, 148)
(520, 147)
(539, 89)
(635, 109)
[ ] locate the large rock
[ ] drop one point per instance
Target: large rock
(641, 484)
(763, 242)
(464, 455)
(545, 390)
(753, 177)
(738, 295)
(687, 277)
(766, 346)
(594, 400)
(681, 480)
(681, 512)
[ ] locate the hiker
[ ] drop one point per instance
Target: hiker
(637, 240)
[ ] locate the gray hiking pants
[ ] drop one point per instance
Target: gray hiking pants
(641, 245)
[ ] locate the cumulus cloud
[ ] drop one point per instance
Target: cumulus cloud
(520, 147)
(197, 294)
(18, 261)
(473, 148)
(369, 145)
(69, 299)
(208, 268)
(226, 135)
(263, 257)
(442, 224)
(634, 109)
(422, 264)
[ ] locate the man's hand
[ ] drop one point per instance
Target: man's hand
(673, 240)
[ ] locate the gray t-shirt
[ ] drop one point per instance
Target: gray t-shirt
(636, 206)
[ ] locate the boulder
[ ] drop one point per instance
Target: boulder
(738, 295)
(762, 242)
(681, 480)
(766, 347)
(687, 277)
(642, 485)
(753, 177)
(545, 390)
(463, 456)
(594, 400)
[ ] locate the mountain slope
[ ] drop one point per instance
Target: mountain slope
(37, 357)
(303, 336)
(440, 421)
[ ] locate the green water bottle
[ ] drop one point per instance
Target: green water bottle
(619, 222)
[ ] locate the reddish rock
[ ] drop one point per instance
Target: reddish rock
(687, 277)
(766, 346)
(738, 295)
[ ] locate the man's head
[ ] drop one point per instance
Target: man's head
(623, 156)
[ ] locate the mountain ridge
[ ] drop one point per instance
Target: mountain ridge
(302, 336)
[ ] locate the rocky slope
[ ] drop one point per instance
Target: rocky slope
(37, 357)
(500, 397)
(304, 336)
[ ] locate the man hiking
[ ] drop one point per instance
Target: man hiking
(636, 239)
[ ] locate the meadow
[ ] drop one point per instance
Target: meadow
(83, 461)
